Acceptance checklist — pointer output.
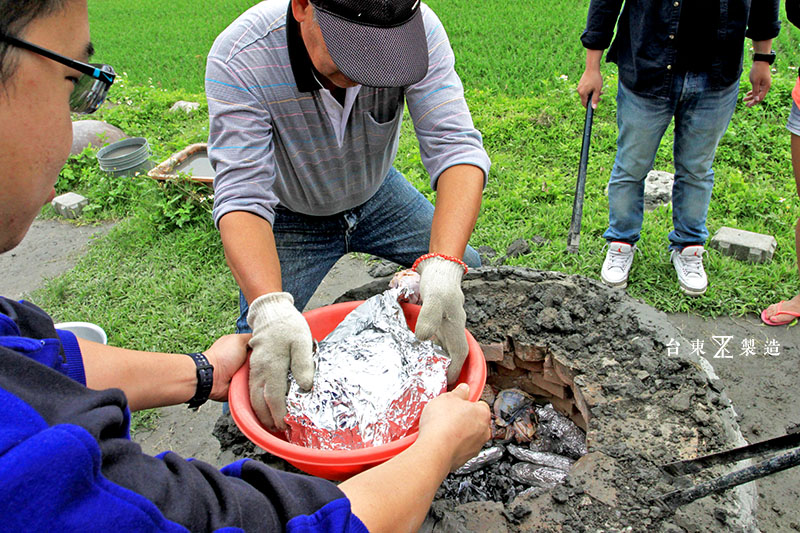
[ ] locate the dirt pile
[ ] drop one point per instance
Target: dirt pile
(644, 406)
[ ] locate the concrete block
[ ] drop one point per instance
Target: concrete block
(744, 245)
(182, 105)
(69, 205)
(657, 189)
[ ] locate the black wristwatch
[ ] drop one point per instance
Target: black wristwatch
(769, 58)
(205, 380)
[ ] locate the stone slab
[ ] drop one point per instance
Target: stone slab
(94, 132)
(657, 189)
(187, 107)
(69, 205)
(744, 245)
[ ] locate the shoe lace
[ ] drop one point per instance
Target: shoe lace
(693, 264)
(620, 260)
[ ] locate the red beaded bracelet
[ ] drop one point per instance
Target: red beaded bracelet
(443, 256)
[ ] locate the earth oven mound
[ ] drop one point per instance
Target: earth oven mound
(602, 359)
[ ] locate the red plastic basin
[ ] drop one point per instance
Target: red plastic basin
(338, 465)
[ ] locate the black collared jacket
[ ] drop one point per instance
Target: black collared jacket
(645, 47)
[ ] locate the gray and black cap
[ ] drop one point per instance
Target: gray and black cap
(378, 43)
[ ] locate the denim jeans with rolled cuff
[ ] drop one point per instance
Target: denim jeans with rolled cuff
(394, 224)
(701, 118)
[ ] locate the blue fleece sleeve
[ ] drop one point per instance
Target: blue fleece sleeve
(335, 516)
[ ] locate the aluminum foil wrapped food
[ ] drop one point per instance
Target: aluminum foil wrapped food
(408, 282)
(372, 380)
(559, 434)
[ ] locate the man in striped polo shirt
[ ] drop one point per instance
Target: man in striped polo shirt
(305, 100)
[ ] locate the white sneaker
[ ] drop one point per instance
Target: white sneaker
(688, 264)
(617, 265)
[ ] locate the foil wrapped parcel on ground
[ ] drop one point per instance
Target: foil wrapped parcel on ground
(372, 380)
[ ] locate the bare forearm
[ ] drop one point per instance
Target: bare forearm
(148, 379)
(762, 47)
(251, 254)
(396, 495)
(458, 203)
(593, 58)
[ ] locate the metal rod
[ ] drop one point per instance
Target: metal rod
(692, 466)
(574, 236)
(675, 499)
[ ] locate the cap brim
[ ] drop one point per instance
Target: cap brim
(377, 56)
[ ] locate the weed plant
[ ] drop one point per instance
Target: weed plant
(159, 281)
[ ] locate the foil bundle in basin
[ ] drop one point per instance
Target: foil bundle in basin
(373, 377)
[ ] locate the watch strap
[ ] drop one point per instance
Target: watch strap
(205, 380)
(769, 57)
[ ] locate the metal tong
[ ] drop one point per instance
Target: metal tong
(677, 498)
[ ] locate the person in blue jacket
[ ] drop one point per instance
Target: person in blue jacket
(66, 459)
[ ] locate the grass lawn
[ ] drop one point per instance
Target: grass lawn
(159, 280)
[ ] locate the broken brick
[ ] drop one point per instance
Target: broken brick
(528, 352)
(492, 352)
(508, 361)
(513, 372)
(580, 403)
(558, 391)
(531, 366)
(563, 371)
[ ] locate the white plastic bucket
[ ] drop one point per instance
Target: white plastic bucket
(85, 330)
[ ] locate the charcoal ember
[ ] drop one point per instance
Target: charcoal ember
(517, 514)
(469, 492)
(499, 487)
(559, 462)
(559, 434)
(536, 475)
(487, 456)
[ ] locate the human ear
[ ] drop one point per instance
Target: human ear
(301, 9)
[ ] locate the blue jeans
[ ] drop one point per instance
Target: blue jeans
(394, 224)
(701, 118)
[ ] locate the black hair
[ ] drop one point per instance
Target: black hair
(15, 15)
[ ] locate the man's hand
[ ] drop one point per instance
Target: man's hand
(761, 81)
(281, 339)
(442, 314)
(226, 355)
(592, 80)
(451, 422)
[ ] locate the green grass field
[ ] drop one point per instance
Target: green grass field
(159, 281)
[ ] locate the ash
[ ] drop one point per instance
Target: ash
(522, 463)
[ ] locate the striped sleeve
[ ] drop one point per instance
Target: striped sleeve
(442, 121)
(240, 144)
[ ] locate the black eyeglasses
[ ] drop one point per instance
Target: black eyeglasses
(90, 89)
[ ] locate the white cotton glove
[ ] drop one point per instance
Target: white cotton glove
(281, 339)
(442, 314)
